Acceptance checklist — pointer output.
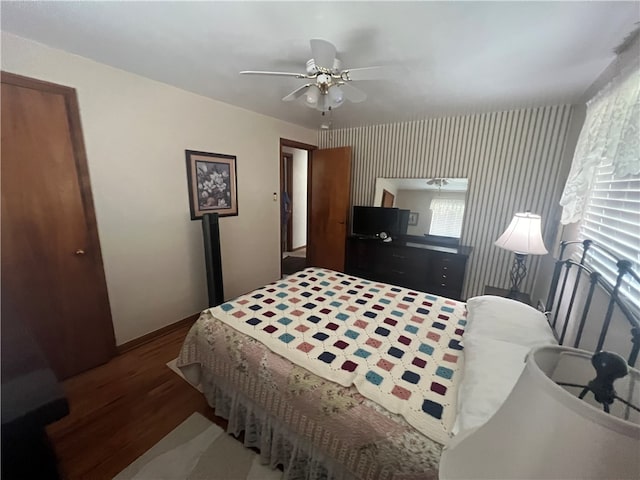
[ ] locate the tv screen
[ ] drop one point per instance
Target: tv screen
(403, 221)
(370, 221)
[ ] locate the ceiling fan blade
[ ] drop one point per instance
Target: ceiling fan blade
(280, 74)
(352, 93)
(366, 73)
(324, 53)
(298, 92)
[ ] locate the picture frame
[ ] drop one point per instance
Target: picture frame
(212, 182)
(413, 218)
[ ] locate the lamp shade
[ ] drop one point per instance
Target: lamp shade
(523, 235)
(545, 431)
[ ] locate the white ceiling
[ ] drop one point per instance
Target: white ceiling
(452, 57)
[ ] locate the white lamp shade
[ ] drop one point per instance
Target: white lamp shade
(523, 235)
(543, 431)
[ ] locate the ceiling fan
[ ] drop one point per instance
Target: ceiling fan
(330, 85)
(438, 182)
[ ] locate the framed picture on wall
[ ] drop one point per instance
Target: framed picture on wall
(413, 218)
(212, 184)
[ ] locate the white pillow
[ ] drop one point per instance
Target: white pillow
(491, 369)
(507, 320)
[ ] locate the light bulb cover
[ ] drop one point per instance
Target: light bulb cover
(312, 96)
(324, 103)
(336, 96)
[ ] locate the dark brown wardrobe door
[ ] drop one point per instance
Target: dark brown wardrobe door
(52, 273)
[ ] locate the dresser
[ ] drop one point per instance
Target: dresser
(420, 266)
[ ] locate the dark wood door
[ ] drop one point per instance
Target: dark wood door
(329, 198)
(51, 266)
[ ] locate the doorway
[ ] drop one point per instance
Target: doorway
(294, 168)
(328, 182)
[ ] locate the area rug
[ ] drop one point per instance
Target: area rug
(198, 449)
(177, 371)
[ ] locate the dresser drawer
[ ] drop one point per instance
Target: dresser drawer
(446, 272)
(401, 259)
(418, 267)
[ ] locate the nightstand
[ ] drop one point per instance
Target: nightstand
(503, 292)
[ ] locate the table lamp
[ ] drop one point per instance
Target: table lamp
(544, 430)
(523, 236)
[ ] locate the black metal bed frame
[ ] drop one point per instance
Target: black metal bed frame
(557, 295)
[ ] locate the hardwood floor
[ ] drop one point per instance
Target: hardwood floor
(121, 409)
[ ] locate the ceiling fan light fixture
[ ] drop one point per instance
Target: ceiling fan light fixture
(336, 96)
(312, 96)
(324, 105)
(328, 84)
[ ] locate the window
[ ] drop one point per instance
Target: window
(612, 219)
(446, 217)
(602, 192)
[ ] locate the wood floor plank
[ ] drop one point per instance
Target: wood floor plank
(121, 409)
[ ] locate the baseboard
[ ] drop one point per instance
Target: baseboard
(298, 248)
(136, 342)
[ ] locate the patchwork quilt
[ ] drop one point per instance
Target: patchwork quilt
(400, 348)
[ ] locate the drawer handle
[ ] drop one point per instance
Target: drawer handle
(443, 284)
(398, 256)
(444, 268)
(398, 272)
(444, 276)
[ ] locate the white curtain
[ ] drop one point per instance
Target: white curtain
(611, 131)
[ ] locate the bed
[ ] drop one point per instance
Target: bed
(334, 376)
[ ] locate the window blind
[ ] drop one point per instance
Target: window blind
(612, 219)
(446, 217)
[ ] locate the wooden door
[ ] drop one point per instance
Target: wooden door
(329, 199)
(388, 199)
(51, 266)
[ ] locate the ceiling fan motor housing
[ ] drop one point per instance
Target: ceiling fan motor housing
(313, 69)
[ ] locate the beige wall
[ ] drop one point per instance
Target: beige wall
(136, 131)
(299, 197)
(300, 170)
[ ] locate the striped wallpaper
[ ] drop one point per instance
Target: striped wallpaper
(512, 160)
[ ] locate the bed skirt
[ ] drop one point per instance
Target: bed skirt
(312, 427)
(275, 441)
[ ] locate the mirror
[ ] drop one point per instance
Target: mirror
(436, 204)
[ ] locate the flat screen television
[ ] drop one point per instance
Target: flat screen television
(370, 221)
(403, 221)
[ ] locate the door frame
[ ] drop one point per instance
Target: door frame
(284, 142)
(80, 156)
